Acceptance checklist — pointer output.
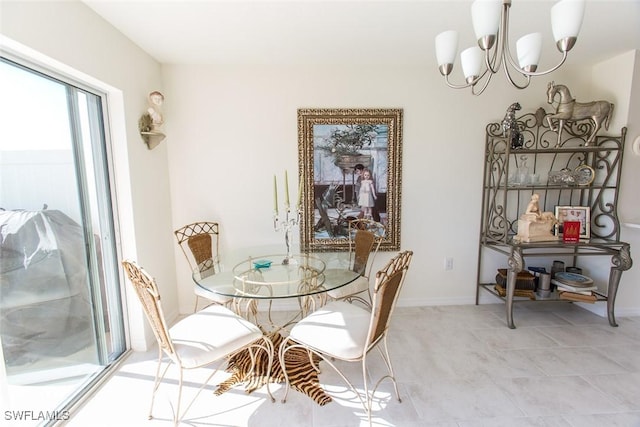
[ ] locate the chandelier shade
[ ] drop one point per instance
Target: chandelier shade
(446, 47)
(485, 15)
(471, 59)
(529, 48)
(490, 20)
(566, 19)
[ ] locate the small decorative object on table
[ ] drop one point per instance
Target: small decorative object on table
(291, 218)
(562, 177)
(581, 214)
(568, 110)
(571, 231)
(582, 175)
(262, 263)
(534, 225)
(510, 126)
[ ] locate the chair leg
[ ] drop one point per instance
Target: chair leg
(158, 379)
(204, 384)
(284, 347)
(368, 396)
(387, 361)
(281, 352)
(176, 417)
(268, 347)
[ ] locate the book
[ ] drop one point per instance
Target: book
(571, 232)
(572, 296)
(574, 287)
(563, 289)
(502, 291)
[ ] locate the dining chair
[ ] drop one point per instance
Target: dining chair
(210, 335)
(365, 237)
(341, 331)
(199, 243)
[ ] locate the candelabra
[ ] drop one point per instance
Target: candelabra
(290, 220)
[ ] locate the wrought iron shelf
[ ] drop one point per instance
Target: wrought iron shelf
(553, 297)
(559, 150)
(503, 202)
(527, 187)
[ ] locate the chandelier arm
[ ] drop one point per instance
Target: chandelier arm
(507, 58)
(542, 73)
(456, 86)
(493, 64)
(513, 82)
(507, 72)
(516, 66)
(468, 84)
(501, 43)
(486, 83)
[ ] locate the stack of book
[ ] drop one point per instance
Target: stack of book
(502, 291)
(575, 287)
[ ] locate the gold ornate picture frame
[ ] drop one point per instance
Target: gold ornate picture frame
(350, 164)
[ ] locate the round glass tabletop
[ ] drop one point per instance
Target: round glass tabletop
(275, 276)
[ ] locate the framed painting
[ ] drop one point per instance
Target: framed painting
(349, 161)
(581, 214)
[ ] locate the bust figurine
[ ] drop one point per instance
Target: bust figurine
(534, 225)
(155, 110)
(150, 124)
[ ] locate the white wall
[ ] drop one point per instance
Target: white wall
(71, 38)
(618, 79)
(232, 128)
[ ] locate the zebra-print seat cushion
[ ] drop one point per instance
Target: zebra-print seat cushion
(302, 376)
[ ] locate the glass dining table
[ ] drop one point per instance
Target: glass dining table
(303, 277)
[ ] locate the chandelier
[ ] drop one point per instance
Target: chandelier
(491, 26)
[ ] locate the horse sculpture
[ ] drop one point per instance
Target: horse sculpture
(569, 110)
(510, 126)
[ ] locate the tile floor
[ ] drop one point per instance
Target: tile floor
(456, 366)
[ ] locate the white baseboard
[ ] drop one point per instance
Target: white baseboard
(600, 309)
(485, 298)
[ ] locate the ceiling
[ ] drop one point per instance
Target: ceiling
(346, 32)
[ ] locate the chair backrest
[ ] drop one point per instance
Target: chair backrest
(147, 291)
(389, 281)
(365, 237)
(200, 244)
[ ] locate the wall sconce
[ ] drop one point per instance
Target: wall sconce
(491, 26)
(636, 146)
(150, 123)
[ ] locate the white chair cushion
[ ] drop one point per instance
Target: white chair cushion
(338, 329)
(210, 334)
(361, 284)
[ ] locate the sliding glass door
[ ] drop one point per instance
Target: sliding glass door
(61, 320)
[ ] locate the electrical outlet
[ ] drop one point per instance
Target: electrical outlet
(448, 264)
